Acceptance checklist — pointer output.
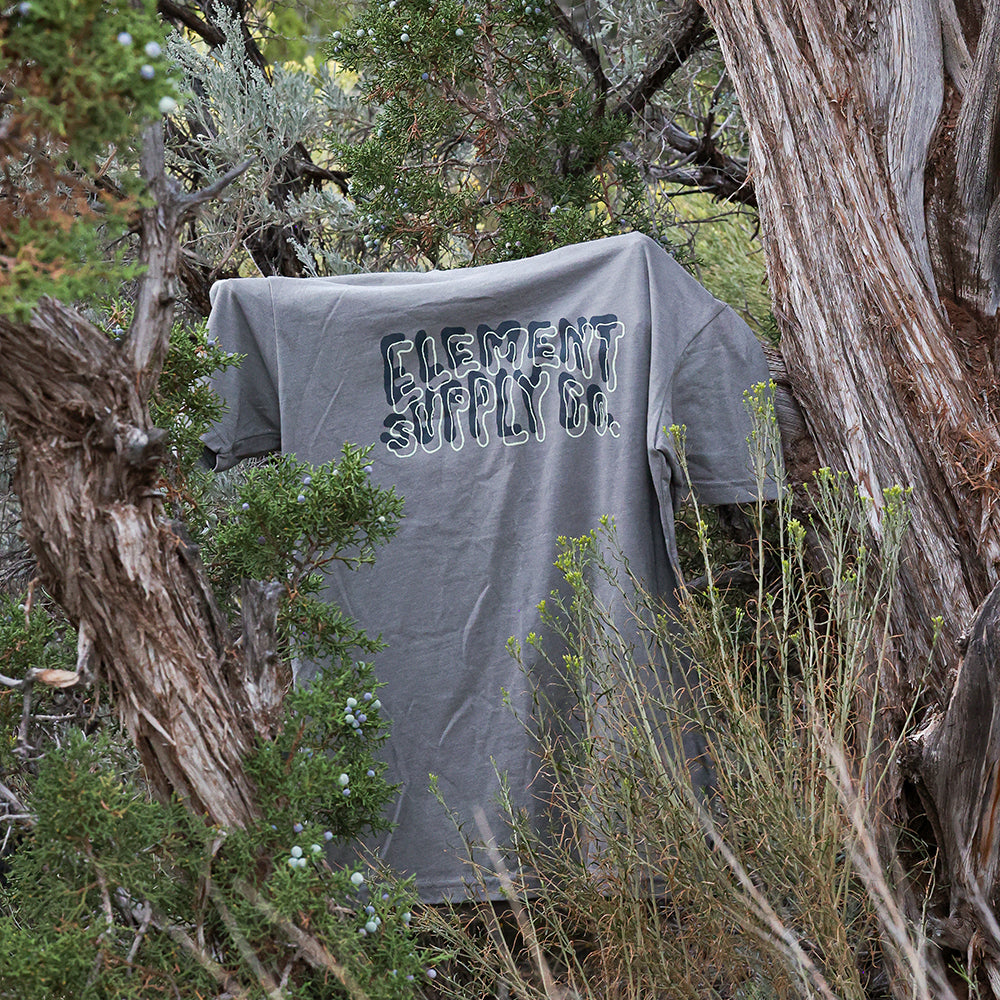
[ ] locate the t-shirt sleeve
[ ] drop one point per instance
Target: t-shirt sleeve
(706, 397)
(242, 322)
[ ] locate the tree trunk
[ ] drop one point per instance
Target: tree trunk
(873, 131)
(128, 577)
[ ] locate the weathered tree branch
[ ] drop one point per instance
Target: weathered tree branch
(963, 804)
(126, 575)
(868, 193)
(178, 14)
(589, 52)
(689, 30)
(977, 157)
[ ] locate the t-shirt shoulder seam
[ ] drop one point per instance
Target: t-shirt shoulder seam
(697, 333)
(668, 395)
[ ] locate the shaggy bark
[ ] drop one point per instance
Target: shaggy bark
(128, 577)
(873, 130)
(963, 804)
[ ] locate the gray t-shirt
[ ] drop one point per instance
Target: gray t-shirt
(508, 404)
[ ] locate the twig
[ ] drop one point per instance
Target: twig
(109, 913)
(312, 950)
(6, 793)
(273, 990)
(190, 202)
(102, 884)
(147, 916)
(225, 979)
(693, 29)
(523, 923)
(738, 575)
(590, 53)
(23, 746)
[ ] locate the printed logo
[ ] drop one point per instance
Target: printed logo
(499, 384)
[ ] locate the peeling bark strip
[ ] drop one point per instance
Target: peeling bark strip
(963, 804)
(874, 156)
(75, 401)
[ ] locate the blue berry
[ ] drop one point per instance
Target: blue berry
(459, 32)
(246, 506)
(351, 702)
(404, 37)
(124, 38)
(153, 50)
(424, 76)
(369, 909)
(357, 878)
(306, 480)
(146, 71)
(367, 696)
(371, 773)
(328, 835)
(432, 973)
(296, 851)
(346, 791)
(361, 717)
(344, 779)
(298, 828)
(301, 498)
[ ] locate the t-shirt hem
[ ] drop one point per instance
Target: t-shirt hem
(226, 457)
(732, 492)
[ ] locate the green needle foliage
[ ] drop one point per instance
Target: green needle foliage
(485, 146)
(79, 76)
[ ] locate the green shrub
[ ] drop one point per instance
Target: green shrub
(484, 146)
(79, 76)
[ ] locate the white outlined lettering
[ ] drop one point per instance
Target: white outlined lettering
(457, 386)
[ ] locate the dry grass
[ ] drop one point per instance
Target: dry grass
(754, 877)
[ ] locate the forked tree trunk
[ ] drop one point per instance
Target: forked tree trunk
(873, 130)
(75, 401)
